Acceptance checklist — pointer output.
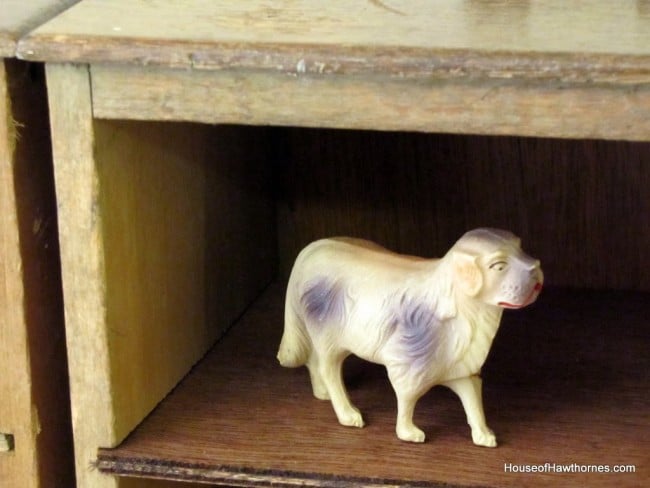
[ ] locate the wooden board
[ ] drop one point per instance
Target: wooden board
(499, 107)
(162, 246)
(14, 386)
(184, 253)
(34, 402)
(590, 42)
(18, 17)
(81, 262)
(566, 383)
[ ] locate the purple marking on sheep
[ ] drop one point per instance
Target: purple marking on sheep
(417, 331)
(324, 301)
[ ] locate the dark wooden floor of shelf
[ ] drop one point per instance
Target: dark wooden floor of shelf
(567, 381)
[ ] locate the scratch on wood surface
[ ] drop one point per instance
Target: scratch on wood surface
(378, 3)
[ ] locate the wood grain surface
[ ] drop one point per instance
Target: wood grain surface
(184, 222)
(166, 236)
(82, 265)
(593, 41)
(503, 68)
(500, 107)
(581, 207)
(34, 401)
(15, 393)
(520, 68)
(566, 382)
(18, 17)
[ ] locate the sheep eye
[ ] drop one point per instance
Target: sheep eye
(498, 265)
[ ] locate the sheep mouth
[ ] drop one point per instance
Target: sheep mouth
(529, 299)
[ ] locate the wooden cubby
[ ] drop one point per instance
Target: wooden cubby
(192, 163)
(574, 359)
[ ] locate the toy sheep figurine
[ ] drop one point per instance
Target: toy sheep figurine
(429, 321)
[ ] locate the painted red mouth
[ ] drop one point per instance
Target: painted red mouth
(531, 298)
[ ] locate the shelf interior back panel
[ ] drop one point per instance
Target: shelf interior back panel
(566, 383)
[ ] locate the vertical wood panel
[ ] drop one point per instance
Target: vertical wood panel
(14, 354)
(82, 267)
(34, 401)
(188, 236)
(188, 239)
(151, 204)
(167, 234)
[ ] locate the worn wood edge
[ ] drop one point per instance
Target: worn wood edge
(7, 45)
(340, 59)
(9, 39)
(82, 265)
(242, 477)
(497, 107)
(17, 419)
(34, 313)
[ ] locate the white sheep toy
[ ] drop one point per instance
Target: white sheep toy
(428, 321)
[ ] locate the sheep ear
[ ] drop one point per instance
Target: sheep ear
(467, 274)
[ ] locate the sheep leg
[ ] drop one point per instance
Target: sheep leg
(469, 391)
(330, 369)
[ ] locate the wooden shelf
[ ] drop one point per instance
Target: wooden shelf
(450, 66)
(567, 382)
(592, 42)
